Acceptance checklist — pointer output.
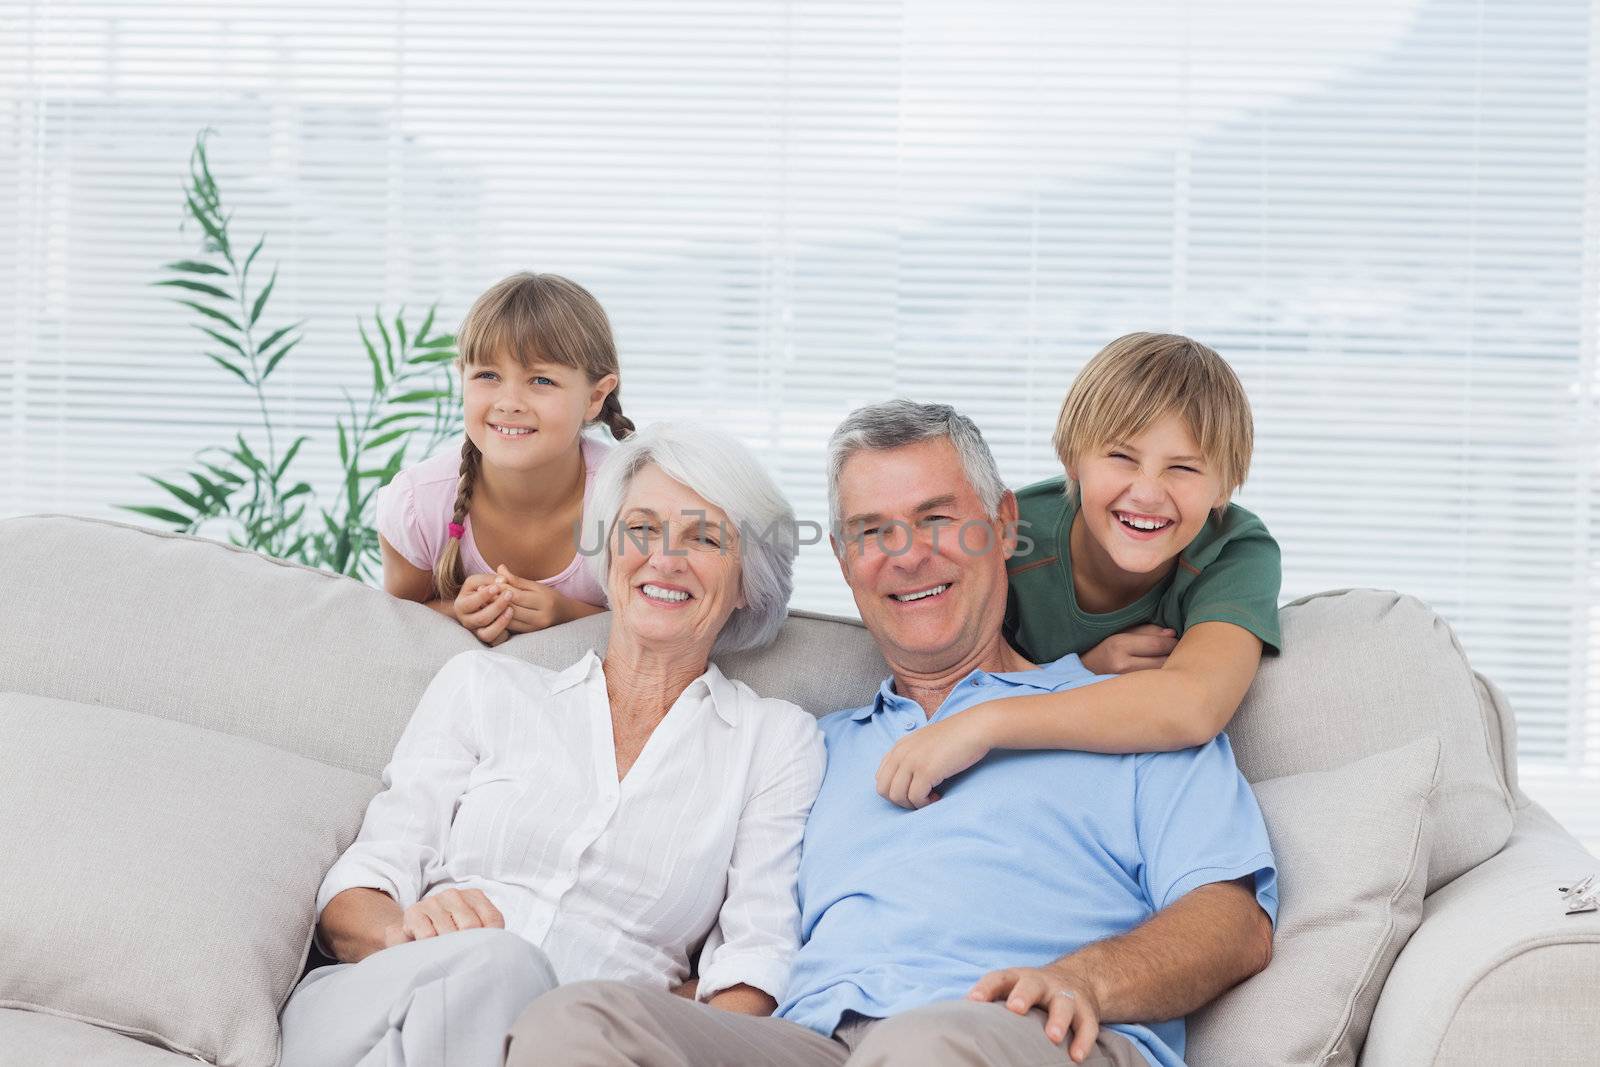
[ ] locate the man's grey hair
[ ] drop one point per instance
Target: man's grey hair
(727, 474)
(894, 423)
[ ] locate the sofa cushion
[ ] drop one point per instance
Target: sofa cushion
(159, 879)
(1362, 672)
(303, 660)
(1351, 846)
(34, 1039)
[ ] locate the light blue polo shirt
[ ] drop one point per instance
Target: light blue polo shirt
(1026, 857)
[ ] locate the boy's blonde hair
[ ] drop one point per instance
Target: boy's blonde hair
(531, 318)
(1142, 377)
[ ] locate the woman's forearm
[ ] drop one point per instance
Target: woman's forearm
(744, 999)
(355, 923)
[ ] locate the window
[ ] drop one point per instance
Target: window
(1384, 213)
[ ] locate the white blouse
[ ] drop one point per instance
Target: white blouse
(505, 780)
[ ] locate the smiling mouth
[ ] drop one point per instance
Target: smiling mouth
(663, 594)
(1142, 523)
(920, 594)
(512, 431)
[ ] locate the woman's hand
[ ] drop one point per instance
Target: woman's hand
(444, 913)
(1138, 648)
(484, 607)
(917, 764)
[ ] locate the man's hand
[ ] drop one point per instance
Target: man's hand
(939, 751)
(1138, 648)
(443, 913)
(1069, 1002)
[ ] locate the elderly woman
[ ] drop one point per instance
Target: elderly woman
(542, 826)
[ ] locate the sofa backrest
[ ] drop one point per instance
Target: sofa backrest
(326, 667)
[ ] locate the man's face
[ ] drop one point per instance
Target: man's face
(927, 566)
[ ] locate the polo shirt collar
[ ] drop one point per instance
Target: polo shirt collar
(1040, 678)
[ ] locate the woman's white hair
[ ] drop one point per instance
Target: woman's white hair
(894, 423)
(727, 474)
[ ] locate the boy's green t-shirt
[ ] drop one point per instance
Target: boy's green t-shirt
(1231, 572)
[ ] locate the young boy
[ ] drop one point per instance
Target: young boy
(1138, 563)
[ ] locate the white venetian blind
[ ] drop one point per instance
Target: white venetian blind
(1385, 213)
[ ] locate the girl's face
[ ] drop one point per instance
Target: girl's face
(522, 418)
(1144, 499)
(675, 574)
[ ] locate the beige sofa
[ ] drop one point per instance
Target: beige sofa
(178, 713)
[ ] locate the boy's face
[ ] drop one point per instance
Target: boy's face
(1144, 499)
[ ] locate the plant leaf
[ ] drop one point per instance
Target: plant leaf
(444, 340)
(420, 358)
(427, 324)
(247, 457)
(251, 258)
(300, 488)
(197, 287)
(226, 475)
(261, 301)
(160, 513)
(195, 267)
(278, 356)
(179, 492)
(288, 457)
(383, 439)
(390, 420)
(421, 394)
(277, 335)
(213, 313)
(224, 338)
(372, 356)
(243, 377)
(388, 345)
(203, 217)
(400, 329)
(211, 490)
(344, 445)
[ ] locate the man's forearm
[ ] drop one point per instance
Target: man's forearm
(1180, 959)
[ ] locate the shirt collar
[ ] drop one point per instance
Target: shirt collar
(1041, 678)
(724, 694)
(577, 673)
(722, 691)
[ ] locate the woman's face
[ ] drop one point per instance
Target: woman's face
(675, 572)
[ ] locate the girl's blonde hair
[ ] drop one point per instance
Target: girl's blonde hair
(532, 318)
(1143, 377)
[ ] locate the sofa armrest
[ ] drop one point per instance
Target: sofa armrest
(1498, 972)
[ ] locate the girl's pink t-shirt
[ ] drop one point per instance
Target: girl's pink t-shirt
(414, 516)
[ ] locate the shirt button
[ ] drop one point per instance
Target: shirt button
(909, 724)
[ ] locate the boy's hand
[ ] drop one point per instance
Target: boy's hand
(534, 605)
(937, 752)
(1138, 648)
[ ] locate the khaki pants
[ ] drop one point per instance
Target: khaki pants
(609, 1024)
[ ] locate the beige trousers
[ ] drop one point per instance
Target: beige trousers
(609, 1024)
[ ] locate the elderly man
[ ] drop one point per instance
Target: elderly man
(1047, 905)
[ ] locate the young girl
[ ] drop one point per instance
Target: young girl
(488, 535)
